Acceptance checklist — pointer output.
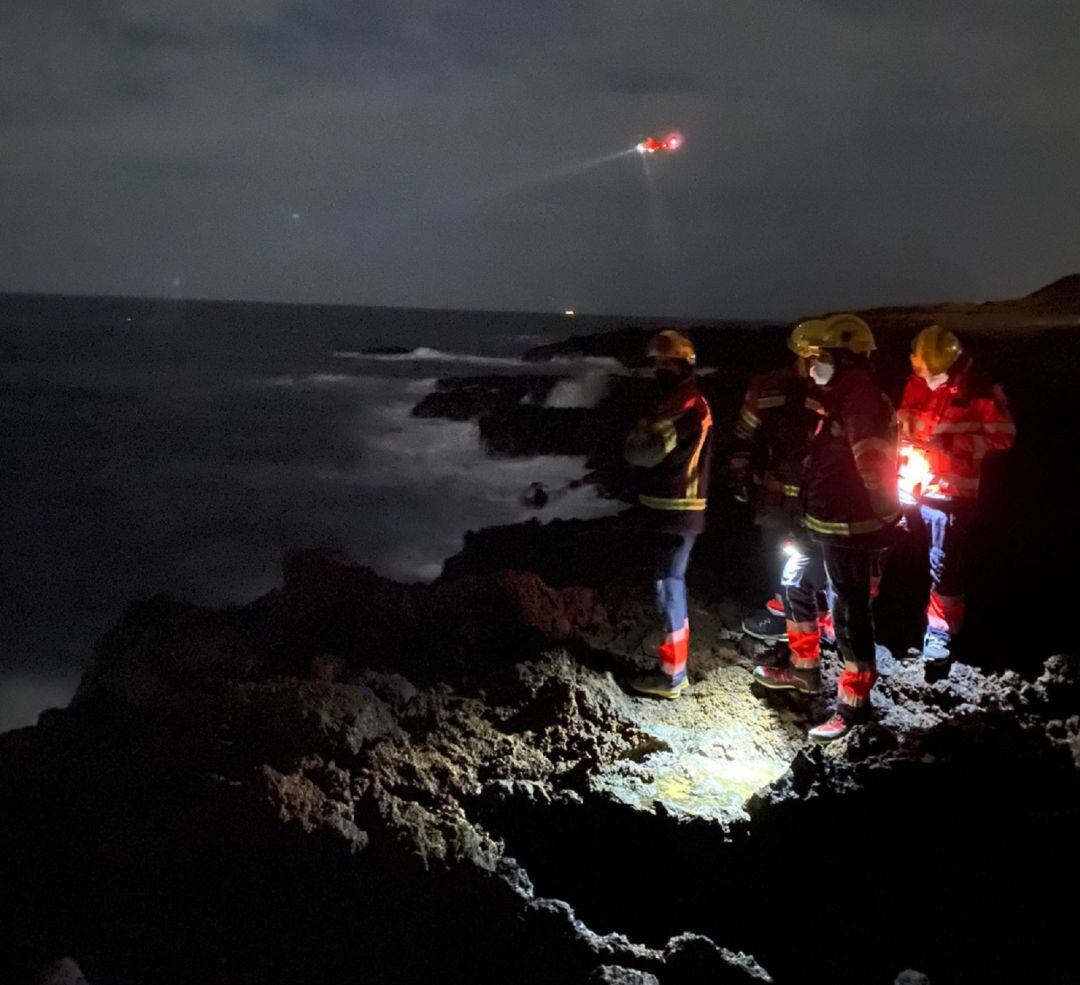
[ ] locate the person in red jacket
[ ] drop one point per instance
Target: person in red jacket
(670, 449)
(951, 416)
(849, 509)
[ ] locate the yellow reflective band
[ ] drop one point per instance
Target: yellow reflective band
(656, 503)
(790, 490)
(849, 529)
(750, 418)
(692, 468)
(767, 403)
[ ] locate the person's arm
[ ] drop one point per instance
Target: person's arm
(650, 442)
(870, 428)
(999, 429)
(746, 435)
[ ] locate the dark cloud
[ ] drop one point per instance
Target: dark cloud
(414, 135)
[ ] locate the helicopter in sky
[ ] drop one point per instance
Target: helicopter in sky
(650, 145)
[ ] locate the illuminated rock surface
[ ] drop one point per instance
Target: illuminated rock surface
(348, 765)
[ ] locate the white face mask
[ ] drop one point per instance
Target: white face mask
(821, 372)
(936, 381)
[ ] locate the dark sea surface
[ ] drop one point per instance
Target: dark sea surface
(183, 448)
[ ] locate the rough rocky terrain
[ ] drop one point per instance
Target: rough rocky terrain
(356, 780)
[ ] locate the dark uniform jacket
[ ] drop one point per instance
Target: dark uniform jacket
(772, 436)
(672, 448)
(850, 488)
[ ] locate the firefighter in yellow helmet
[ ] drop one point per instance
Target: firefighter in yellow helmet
(771, 438)
(850, 505)
(670, 448)
(951, 416)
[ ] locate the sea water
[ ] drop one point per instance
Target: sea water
(149, 450)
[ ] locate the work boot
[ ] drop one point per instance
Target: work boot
(765, 627)
(788, 679)
(775, 605)
(935, 648)
(658, 685)
(835, 728)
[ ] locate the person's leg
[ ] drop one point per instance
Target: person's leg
(803, 576)
(848, 571)
(945, 612)
(674, 557)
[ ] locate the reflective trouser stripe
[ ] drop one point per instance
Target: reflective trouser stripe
(657, 503)
(945, 613)
(674, 651)
(789, 490)
(804, 641)
(856, 682)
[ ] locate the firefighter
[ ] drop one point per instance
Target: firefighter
(772, 436)
(670, 449)
(850, 507)
(950, 417)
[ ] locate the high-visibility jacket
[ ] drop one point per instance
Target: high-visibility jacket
(773, 432)
(850, 482)
(672, 448)
(953, 428)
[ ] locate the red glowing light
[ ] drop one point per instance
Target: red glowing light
(914, 473)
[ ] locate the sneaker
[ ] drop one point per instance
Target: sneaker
(765, 627)
(935, 648)
(826, 627)
(788, 679)
(658, 685)
(775, 605)
(835, 728)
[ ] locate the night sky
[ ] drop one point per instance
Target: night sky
(837, 153)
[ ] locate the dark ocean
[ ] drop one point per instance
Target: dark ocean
(184, 448)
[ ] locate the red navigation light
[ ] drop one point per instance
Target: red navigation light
(672, 142)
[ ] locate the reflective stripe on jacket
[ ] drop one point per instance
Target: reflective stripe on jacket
(850, 485)
(955, 426)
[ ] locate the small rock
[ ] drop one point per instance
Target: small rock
(910, 977)
(614, 975)
(64, 972)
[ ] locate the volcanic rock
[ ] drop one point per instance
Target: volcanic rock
(353, 773)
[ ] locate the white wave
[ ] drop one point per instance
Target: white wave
(586, 390)
(423, 353)
(418, 484)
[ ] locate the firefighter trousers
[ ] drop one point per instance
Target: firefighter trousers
(802, 581)
(849, 569)
(669, 586)
(945, 529)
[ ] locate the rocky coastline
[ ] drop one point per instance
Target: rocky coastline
(352, 779)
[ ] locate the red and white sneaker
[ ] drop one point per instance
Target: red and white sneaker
(775, 606)
(835, 728)
(788, 679)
